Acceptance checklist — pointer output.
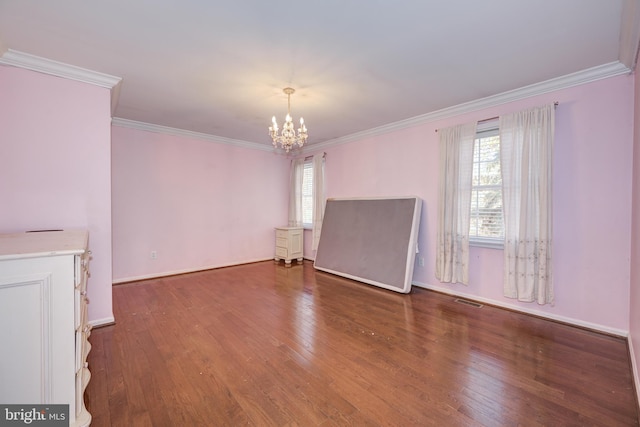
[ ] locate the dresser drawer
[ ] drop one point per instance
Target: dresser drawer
(83, 347)
(80, 308)
(281, 243)
(82, 342)
(82, 269)
(79, 344)
(281, 252)
(281, 234)
(77, 309)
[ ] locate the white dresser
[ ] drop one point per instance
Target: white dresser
(289, 244)
(43, 320)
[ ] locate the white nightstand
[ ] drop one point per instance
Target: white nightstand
(289, 244)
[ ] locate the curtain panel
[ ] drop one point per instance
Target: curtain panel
(454, 204)
(295, 193)
(318, 198)
(526, 146)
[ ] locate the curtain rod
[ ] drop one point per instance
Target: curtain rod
(555, 105)
(311, 157)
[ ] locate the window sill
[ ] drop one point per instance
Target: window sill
(486, 243)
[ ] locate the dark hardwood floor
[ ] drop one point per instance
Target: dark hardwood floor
(263, 345)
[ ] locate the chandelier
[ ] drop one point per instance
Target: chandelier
(288, 138)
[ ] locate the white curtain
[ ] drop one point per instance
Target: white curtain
(318, 198)
(295, 193)
(526, 144)
(454, 205)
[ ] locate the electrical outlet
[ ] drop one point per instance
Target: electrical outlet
(421, 261)
(154, 255)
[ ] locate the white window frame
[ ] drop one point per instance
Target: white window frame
(486, 129)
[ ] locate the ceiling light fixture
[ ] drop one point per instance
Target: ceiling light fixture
(288, 138)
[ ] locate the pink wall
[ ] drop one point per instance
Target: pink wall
(198, 204)
(634, 318)
(55, 165)
(592, 199)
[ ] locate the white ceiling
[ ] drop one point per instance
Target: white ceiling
(218, 67)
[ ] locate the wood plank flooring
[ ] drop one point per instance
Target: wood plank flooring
(265, 345)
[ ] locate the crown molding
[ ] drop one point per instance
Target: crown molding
(630, 33)
(589, 75)
(629, 42)
(59, 69)
(166, 130)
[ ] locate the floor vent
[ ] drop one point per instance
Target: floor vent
(467, 302)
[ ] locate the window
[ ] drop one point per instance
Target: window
(306, 198)
(307, 194)
(487, 225)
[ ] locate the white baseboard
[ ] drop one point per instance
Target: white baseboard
(190, 270)
(588, 325)
(634, 368)
(102, 322)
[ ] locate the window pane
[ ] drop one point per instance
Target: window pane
(486, 195)
(307, 194)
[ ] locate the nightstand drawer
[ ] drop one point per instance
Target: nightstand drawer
(281, 252)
